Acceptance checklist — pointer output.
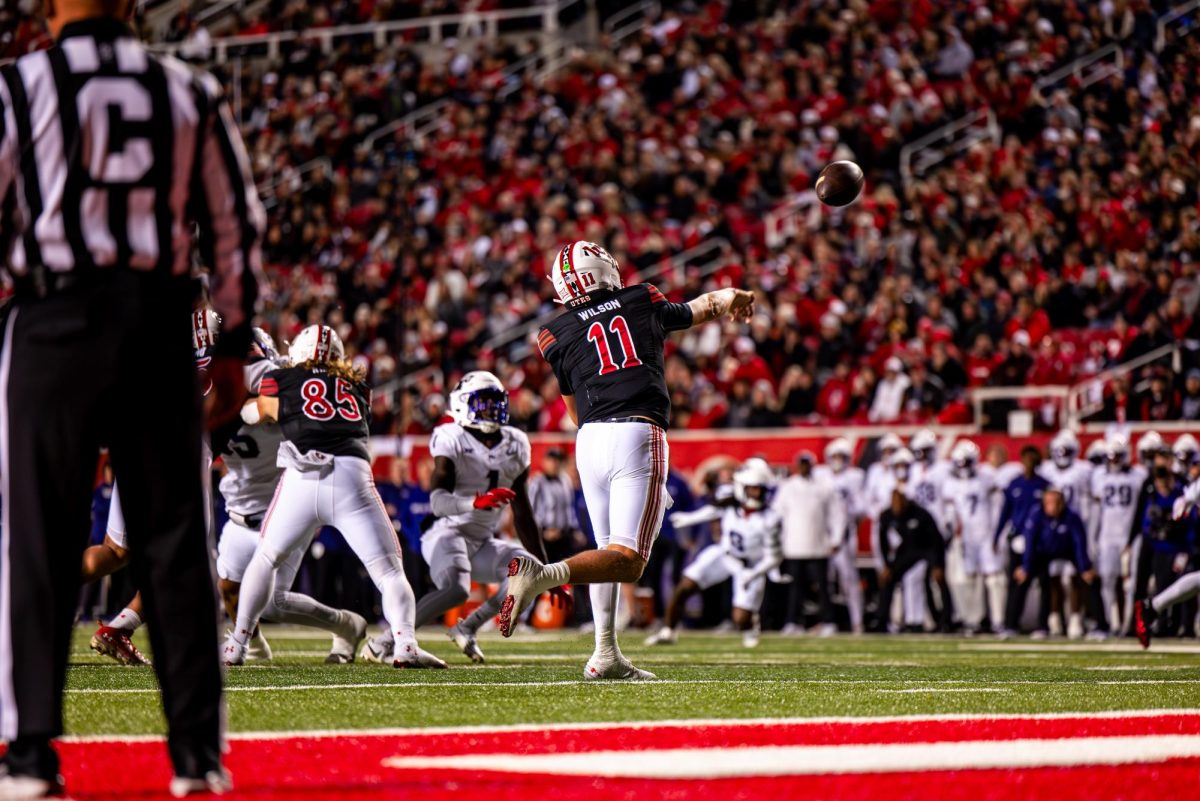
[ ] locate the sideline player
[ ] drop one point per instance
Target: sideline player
(1184, 514)
(847, 480)
(968, 494)
(1115, 488)
(749, 552)
(481, 465)
(606, 350)
(250, 457)
(321, 403)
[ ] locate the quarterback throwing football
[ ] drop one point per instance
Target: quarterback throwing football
(607, 352)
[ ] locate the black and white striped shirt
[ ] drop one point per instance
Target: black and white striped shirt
(552, 499)
(110, 155)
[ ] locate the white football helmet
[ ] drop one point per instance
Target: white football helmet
(901, 463)
(1148, 445)
(1064, 448)
(754, 473)
(890, 442)
(1097, 452)
(266, 343)
(479, 401)
(965, 456)
(206, 325)
(924, 445)
(318, 343)
(838, 454)
(1116, 451)
(581, 268)
(1185, 450)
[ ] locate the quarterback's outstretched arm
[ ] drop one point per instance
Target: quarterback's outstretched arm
(737, 303)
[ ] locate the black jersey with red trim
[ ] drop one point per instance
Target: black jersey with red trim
(320, 412)
(607, 351)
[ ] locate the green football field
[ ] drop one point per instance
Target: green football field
(536, 678)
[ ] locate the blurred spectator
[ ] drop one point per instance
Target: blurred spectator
(889, 392)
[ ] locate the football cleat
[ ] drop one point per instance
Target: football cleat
(619, 669)
(466, 643)
(345, 643)
(233, 653)
(1143, 618)
(750, 638)
(19, 788)
(378, 650)
(115, 643)
(215, 782)
(664, 636)
(258, 649)
(526, 581)
(411, 656)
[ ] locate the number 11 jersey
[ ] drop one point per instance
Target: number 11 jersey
(607, 351)
(320, 412)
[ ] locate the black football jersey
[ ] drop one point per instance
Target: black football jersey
(608, 352)
(320, 412)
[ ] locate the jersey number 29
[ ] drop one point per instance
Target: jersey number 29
(599, 338)
(317, 405)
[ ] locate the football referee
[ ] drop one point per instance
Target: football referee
(110, 158)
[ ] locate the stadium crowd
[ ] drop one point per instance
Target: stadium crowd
(1064, 249)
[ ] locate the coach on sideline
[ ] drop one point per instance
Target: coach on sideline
(108, 157)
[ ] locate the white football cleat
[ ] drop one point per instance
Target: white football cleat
(750, 638)
(19, 788)
(466, 642)
(1075, 627)
(526, 581)
(234, 652)
(215, 782)
(345, 642)
(791, 630)
(258, 649)
(619, 669)
(410, 656)
(827, 630)
(664, 636)
(378, 650)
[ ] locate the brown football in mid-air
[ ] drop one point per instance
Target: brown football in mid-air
(840, 183)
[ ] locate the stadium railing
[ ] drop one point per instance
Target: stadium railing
(434, 29)
(1087, 397)
(1182, 19)
(1085, 70)
(955, 137)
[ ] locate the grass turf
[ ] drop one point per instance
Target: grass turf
(538, 679)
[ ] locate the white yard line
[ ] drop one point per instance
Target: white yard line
(1116, 714)
(941, 690)
(695, 763)
(1081, 648)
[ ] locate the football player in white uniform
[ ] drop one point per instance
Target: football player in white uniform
(847, 479)
(898, 469)
(481, 465)
(929, 475)
(968, 501)
(1115, 489)
(1096, 454)
(1184, 449)
(749, 552)
(247, 488)
(1069, 473)
(877, 495)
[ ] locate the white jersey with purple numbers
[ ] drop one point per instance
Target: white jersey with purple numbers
(1115, 495)
(1075, 480)
(749, 536)
(969, 507)
(477, 469)
(252, 472)
(925, 487)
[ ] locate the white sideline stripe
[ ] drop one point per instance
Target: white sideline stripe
(1082, 648)
(695, 763)
(601, 685)
(678, 723)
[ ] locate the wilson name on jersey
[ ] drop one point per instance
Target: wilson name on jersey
(608, 352)
(478, 468)
(249, 456)
(750, 535)
(320, 412)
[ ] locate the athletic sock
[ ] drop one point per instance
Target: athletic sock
(558, 572)
(127, 621)
(604, 615)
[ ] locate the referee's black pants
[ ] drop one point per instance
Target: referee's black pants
(105, 363)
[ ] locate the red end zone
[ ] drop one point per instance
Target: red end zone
(1133, 755)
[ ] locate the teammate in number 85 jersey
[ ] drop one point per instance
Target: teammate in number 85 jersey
(320, 403)
(606, 350)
